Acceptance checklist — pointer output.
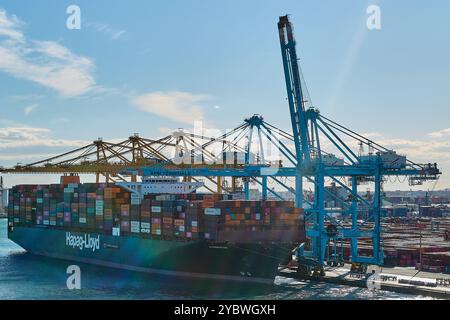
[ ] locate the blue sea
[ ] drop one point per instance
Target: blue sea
(24, 276)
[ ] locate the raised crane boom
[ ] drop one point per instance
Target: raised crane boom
(294, 90)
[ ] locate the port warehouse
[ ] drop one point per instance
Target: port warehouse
(109, 209)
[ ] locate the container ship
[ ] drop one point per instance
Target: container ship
(159, 225)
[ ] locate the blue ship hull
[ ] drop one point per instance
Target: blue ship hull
(198, 259)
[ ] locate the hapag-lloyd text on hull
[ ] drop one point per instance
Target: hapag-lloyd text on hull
(85, 241)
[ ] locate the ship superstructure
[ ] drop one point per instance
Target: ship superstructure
(160, 185)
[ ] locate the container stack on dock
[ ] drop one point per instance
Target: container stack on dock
(419, 243)
(109, 209)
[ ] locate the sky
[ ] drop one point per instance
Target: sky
(150, 67)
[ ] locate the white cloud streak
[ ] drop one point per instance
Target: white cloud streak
(30, 109)
(47, 63)
(113, 33)
(178, 106)
(20, 137)
(440, 134)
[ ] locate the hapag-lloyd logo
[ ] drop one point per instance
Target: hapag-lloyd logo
(83, 242)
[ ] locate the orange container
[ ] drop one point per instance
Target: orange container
(167, 220)
(178, 222)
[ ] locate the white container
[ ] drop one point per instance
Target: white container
(99, 211)
(116, 232)
(145, 225)
(212, 211)
(156, 209)
(135, 224)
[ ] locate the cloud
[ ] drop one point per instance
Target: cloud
(165, 131)
(178, 106)
(61, 120)
(27, 97)
(10, 26)
(113, 33)
(29, 109)
(24, 137)
(47, 63)
(440, 134)
(18, 157)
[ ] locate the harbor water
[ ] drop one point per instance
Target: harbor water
(24, 276)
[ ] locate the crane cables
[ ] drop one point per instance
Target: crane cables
(359, 137)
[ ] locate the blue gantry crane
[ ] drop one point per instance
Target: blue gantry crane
(308, 125)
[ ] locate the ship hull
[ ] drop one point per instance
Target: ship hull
(195, 259)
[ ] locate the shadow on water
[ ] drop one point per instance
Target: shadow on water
(110, 283)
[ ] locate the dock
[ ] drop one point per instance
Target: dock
(401, 280)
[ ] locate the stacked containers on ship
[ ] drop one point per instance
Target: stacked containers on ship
(135, 207)
(212, 218)
(91, 199)
(156, 218)
(260, 221)
(168, 212)
(65, 219)
(10, 207)
(16, 205)
(13, 204)
(146, 205)
(82, 206)
(46, 213)
(30, 209)
(74, 206)
(107, 209)
(192, 223)
(55, 196)
(23, 206)
(99, 209)
(121, 198)
(179, 219)
(39, 205)
(125, 218)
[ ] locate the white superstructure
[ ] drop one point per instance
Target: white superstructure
(160, 185)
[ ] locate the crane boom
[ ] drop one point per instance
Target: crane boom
(294, 90)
